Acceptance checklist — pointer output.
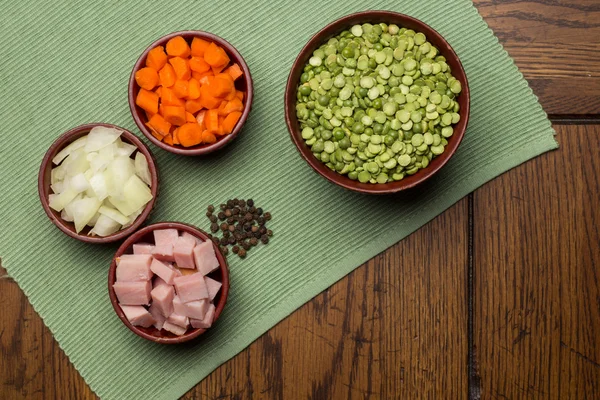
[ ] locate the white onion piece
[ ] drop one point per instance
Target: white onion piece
(66, 216)
(124, 149)
(122, 205)
(117, 174)
(137, 193)
(98, 185)
(79, 183)
(93, 221)
(58, 187)
(133, 217)
(105, 156)
(76, 163)
(91, 156)
(58, 201)
(113, 214)
(105, 226)
(101, 136)
(141, 168)
(84, 210)
(57, 174)
(64, 153)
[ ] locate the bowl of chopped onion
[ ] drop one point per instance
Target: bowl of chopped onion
(98, 183)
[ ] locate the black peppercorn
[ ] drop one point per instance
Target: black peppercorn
(259, 211)
(246, 245)
(214, 227)
(248, 217)
(230, 221)
(226, 234)
(236, 201)
(215, 240)
(235, 211)
(212, 218)
(235, 249)
(242, 253)
(260, 220)
(268, 216)
(230, 203)
(269, 232)
(257, 235)
(255, 228)
(210, 208)
(250, 202)
(252, 210)
(208, 214)
(231, 228)
(222, 216)
(223, 241)
(263, 230)
(231, 240)
(224, 226)
(223, 206)
(224, 250)
(253, 241)
(242, 204)
(228, 213)
(264, 239)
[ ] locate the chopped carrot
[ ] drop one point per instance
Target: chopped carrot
(199, 47)
(158, 91)
(198, 64)
(215, 56)
(207, 100)
(169, 98)
(200, 118)
(175, 137)
(230, 121)
(208, 137)
(168, 139)
(147, 100)
(232, 95)
(211, 120)
(181, 68)
(159, 124)
(174, 115)
(146, 78)
(221, 107)
(161, 109)
(217, 69)
(220, 86)
(234, 71)
(180, 88)
(189, 134)
(155, 134)
(193, 91)
(166, 76)
(148, 115)
(193, 106)
(201, 75)
(221, 130)
(156, 58)
(233, 105)
(178, 47)
(239, 94)
(189, 117)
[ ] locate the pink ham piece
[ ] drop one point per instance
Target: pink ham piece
(207, 321)
(162, 298)
(142, 248)
(189, 237)
(174, 329)
(191, 287)
(183, 253)
(133, 293)
(134, 267)
(158, 281)
(179, 320)
(205, 257)
(163, 252)
(165, 237)
(158, 317)
(164, 271)
(213, 287)
(138, 316)
(194, 309)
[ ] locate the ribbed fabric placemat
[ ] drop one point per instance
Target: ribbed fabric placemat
(66, 63)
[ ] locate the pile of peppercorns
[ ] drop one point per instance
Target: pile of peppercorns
(242, 226)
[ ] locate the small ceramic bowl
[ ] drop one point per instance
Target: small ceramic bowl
(146, 235)
(403, 21)
(44, 184)
(244, 84)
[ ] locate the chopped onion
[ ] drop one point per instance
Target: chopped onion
(64, 153)
(79, 183)
(94, 219)
(113, 214)
(76, 163)
(133, 217)
(98, 184)
(105, 226)
(117, 174)
(57, 174)
(66, 216)
(101, 136)
(124, 149)
(141, 168)
(84, 210)
(58, 201)
(137, 193)
(58, 187)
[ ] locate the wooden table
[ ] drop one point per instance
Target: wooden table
(504, 304)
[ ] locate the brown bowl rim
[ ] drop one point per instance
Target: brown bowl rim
(198, 150)
(223, 266)
(44, 190)
(338, 26)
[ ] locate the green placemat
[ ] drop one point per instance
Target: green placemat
(65, 63)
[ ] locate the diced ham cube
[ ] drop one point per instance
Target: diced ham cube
(207, 321)
(183, 253)
(163, 252)
(158, 317)
(133, 293)
(134, 267)
(213, 287)
(179, 320)
(165, 271)
(142, 248)
(178, 306)
(165, 237)
(194, 309)
(191, 237)
(158, 281)
(205, 258)
(162, 298)
(191, 287)
(138, 316)
(177, 330)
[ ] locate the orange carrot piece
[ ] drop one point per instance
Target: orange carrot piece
(211, 120)
(146, 78)
(221, 107)
(240, 95)
(181, 68)
(169, 98)
(175, 115)
(158, 91)
(208, 137)
(159, 124)
(207, 100)
(178, 47)
(155, 134)
(221, 130)
(193, 106)
(193, 89)
(148, 115)
(147, 100)
(230, 121)
(166, 76)
(198, 64)
(168, 139)
(189, 117)
(233, 105)
(190, 134)
(218, 69)
(199, 47)
(180, 88)
(215, 56)
(232, 95)
(175, 137)
(156, 58)
(220, 86)
(200, 118)
(234, 71)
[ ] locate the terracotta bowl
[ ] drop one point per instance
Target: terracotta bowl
(244, 84)
(403, 21)
(146, 235)
(44, 184)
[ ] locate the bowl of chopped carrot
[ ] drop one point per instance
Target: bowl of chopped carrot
(190, 92)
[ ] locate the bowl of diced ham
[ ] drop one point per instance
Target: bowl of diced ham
(168, 282)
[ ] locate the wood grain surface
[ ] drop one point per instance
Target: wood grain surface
(505, 304)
